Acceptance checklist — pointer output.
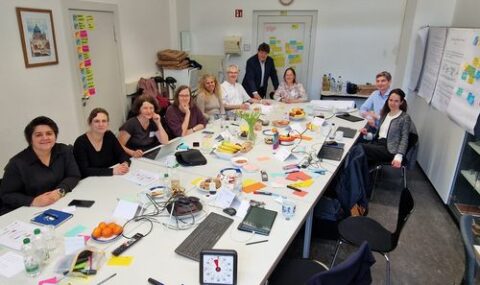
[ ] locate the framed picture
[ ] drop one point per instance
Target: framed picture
(37, 36)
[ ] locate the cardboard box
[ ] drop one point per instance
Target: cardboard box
(366, 89)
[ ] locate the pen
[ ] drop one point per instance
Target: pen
(154, 282)
(294, 188)
(263, 193)
(255, 242)
(292, 171)
(106, 279)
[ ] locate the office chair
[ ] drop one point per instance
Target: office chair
(471, 263)
(355, 230)
(354, 270)
(408, 162)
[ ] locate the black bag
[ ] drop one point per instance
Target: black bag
(190, 157)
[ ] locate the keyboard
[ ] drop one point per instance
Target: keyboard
(205, 236)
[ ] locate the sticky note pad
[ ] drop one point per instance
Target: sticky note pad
(263, 158)
(300, 193)
(75, 231)
(120, 260)
(253, 187)
(306, 183)
(294, 176)
(248, 182)
(196, 180)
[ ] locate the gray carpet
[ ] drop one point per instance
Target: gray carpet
(430, 250)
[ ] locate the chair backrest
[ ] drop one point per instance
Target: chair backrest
(354, 270)
(470, 262)
(405, 208)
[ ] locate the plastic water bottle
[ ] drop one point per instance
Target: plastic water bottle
(333, 86)
(49, 239)
(339, 84)
(30, 258)
(40, 247)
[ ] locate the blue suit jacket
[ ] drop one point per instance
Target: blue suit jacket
(253, 74)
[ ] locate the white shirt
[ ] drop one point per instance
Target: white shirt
(383, 132)
(233, 94)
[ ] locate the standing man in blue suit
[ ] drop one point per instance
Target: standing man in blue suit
(259, 68)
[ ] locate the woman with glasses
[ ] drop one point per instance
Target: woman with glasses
(183, 117)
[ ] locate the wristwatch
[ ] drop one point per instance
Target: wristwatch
(62, 192)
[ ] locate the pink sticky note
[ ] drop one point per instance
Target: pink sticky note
(52, 280)
(88, 62)
(294, 176)
(85, 48)
(91, 91)
(263, 158)
(300, 193)
(83, 34)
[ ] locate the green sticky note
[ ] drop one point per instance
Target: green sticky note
(73, 232)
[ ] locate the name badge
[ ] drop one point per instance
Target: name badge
(152, 134)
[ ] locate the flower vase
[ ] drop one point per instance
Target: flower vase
(251, 133)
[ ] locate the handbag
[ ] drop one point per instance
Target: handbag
(190, 157)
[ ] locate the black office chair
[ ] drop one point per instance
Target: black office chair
(408, 162)
(471, 263)
(354, 270)
(355, 230)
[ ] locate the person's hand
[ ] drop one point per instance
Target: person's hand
(256, 96)
(185, 108)
(266, 102)
(156, 118)
(363, 131)
(46, 198)
(245, 106)
(137, 153)
(371, 121)
(287, 100)
(120, 169)
(396, 163)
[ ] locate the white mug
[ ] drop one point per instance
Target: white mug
(339, 136)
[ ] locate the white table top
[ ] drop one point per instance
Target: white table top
(154, 255)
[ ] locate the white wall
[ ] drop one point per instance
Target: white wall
(355, 39)
(27, 93)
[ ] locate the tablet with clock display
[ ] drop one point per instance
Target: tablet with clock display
(218, 266)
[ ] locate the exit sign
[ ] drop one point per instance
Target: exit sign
(238, 13)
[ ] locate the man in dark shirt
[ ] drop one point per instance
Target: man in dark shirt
(259, 68)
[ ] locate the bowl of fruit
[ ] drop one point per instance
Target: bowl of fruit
(106, 232)
(296, 114)
(227, 150)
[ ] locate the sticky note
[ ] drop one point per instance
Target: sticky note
(254, 187)
(263, 158)
(294, 176)
(75, 231)
(300, 193)
(248, 182)
(196, 180)
(306, 183)
(120, 260)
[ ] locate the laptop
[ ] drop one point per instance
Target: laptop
(159, 152)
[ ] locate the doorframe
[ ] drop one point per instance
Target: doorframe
(313, 33)
(68, 5)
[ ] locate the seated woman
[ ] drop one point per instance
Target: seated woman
(98, 149)
(234, 95)
(143, 131)
(42, 173)
(183, 117)
(391, 139)
(289, 90)
(209, 98)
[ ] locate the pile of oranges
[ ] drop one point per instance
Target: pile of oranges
(106, 230)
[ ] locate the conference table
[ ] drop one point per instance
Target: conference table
(154, 256)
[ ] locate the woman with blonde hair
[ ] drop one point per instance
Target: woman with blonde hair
(209, 98)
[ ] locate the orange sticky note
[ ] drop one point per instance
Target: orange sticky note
(253, 187)
(263, 158)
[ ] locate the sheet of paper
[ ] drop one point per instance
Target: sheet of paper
(242, 209)
(224, 198)
(279, 182)
(125, 210)
(120, 260)
(318, 122)
(282, 154)
(297, 127)
(12, 235)
(69, 209)
(73, 244)
(75, 231)
(141, 177)
(266, 109)
(11, 264)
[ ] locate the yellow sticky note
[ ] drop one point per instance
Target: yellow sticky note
(247, 182)
(196, 180)
(470, 80)
(476, 62)
(306, 183)
(120, 260)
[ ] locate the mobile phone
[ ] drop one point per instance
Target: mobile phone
(196, 144)
(81, 203)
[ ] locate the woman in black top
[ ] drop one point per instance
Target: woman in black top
(98, 149)
(42, 173)
(144, 131)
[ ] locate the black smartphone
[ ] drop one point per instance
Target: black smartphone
(81, 203)
(196, 144)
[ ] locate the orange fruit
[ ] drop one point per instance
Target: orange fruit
(102, 225)
(107, 232)
(111, 225)
(97, 232)
(117, 230)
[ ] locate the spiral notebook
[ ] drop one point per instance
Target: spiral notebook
(258, 220)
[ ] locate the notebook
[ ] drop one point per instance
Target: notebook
(332, 152)
(51, 217)
(347, 132)
(258, 220)
(350, 118)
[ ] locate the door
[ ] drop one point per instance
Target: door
(290, 39)
(98, 64)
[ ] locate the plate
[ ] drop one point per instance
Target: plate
(280, 123)
(225, 155)
(239, 161)
(207, 190)
(297, 118)
(106, 240)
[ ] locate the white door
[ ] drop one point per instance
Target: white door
(98, 64)
(290, 38)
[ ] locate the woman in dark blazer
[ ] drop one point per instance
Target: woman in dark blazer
(390, 142)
